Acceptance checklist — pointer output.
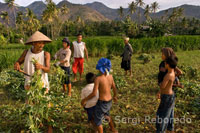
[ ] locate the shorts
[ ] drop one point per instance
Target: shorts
(78, 65)
(67, 74)
(126, 65)
(102, 109)
(90, 113)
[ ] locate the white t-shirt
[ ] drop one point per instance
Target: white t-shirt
(78, 49)
(86, 92)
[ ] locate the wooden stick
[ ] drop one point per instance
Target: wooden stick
(24, 73)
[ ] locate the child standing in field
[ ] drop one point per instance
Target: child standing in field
(103, 84)
(64, 55)
(164, 118)
(90, 104)
(166, 53)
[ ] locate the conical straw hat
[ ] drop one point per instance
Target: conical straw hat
(38, 37)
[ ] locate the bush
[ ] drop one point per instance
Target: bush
(3, 40)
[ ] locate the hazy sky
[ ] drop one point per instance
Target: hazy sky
(164, 4)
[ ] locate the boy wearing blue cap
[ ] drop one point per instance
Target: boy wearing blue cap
(64, 55)
(103, 84)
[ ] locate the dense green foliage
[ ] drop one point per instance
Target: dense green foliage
(106, 46)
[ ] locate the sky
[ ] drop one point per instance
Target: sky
(164, 4)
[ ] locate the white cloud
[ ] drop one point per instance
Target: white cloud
(164, 4)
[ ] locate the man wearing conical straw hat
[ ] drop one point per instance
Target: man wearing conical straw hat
(37, 40)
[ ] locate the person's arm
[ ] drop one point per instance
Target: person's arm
(20, 60)
(93, 94)
(56, 55)
(72, 49)
(45, 68)
(130, 49)
(86, 52)
(114, 90)
(178, 71)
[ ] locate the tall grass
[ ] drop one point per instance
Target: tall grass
(8, 58)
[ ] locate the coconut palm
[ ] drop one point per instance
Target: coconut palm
(154, 6)
(32, 23)
(20, 22)
(5, 17)
(140, 4)
(180, 12)
(132, 7)
(165, 16)
(173, 16)
(147, 12)
(49, 15)
(121, 12)
(11, 4)
(63, 11)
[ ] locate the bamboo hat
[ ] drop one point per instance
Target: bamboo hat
(38, 37)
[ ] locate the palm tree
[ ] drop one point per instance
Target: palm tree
(11, 4)
(121, 12)
(140, 4)
(49, 15)
(63, 11)
(132, 7)
(20, 22)
(180, 12)
(173, 16)
(5, 17)
(147, 12)
(154, 6)
(33, 24)
(165, 16)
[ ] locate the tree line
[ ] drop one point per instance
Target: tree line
(54, 22)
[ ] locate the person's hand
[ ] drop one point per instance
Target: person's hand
(61, 62)
(17, 66)
(115, 99)
(38, 66)
(158, 95)
(87, 59)
(83, 103)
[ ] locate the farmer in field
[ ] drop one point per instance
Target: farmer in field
(37, 40)
(164, 116)
(78, 50)
(126, 56)
(103, 84)
(90, 104)
(64, 55)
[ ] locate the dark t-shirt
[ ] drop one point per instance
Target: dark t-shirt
(161, 74)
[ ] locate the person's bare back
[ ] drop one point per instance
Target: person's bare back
(105, 83)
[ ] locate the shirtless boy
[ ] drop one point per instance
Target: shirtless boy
(103, 84)
(165, 112)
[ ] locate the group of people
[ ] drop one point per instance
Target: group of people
(96, 95)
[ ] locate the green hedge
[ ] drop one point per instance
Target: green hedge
(101, 46)
(105, 46)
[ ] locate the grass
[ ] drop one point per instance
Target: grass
(136, 98)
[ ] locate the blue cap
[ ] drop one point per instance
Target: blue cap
(103, 64)
(66, 39)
